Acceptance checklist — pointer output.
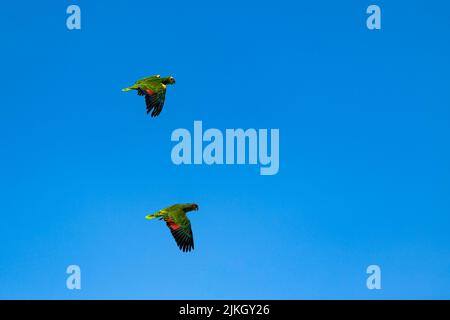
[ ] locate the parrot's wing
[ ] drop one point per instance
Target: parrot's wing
(140, 91)
(148, 79)
(182, 234)
(155, 101)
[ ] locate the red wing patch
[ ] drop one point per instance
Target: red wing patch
(172, 225)
(149, 91)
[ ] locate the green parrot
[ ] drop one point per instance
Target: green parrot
(178, 223)
(154, 90)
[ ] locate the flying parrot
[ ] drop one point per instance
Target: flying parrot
(154, 90)
(178, 223)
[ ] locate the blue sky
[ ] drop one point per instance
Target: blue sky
(364, 160)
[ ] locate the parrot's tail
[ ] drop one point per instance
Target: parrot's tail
(154, 216)
(127, 89)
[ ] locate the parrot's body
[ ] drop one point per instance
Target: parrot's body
(178, 223)
(154, 90)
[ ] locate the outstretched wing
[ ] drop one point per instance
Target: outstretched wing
(154, 100)
(182, 234)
